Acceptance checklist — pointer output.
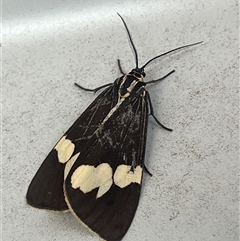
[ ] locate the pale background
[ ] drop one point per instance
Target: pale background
(48, 45)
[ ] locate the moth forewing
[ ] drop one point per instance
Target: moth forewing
(106, 177)
(46, 189)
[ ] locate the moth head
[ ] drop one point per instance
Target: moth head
(138, 73)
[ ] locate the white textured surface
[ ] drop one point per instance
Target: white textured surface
(49, 45)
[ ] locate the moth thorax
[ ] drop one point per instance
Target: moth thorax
(130, 83)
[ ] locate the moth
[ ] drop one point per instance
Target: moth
(95, 170)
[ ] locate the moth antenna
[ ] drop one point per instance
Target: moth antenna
(170, 51)
(130, 38)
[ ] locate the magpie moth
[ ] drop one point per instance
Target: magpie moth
(95, 170)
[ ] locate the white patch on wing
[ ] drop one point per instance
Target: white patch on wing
(87, 178)
(69, 164)
(123, 175)
(65, 149)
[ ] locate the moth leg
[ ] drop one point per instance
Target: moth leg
(93, 90)
(152, 113)
(165, 76)
(147, 171)
(120, 67)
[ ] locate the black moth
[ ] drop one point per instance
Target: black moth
(96, 168)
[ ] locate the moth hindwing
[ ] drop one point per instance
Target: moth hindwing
(96, 168)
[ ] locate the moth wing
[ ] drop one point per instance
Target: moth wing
(46, 188)
(103, 186)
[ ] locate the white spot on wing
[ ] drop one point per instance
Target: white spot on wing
(69, 165)
(65, 149)
(123, 175)
(87, 178)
